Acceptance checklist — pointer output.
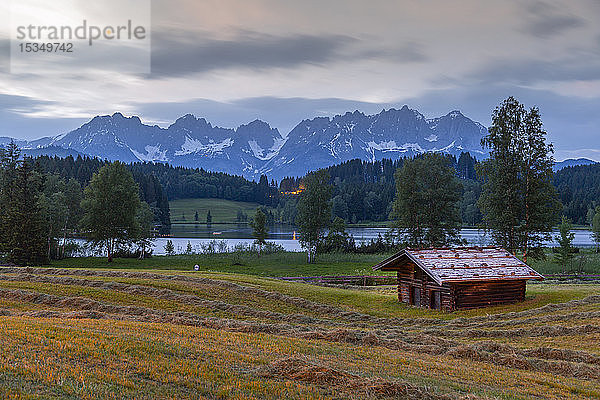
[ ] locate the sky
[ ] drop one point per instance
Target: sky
(282, 61)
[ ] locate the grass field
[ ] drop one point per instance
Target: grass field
(222, 211)
(277, 264)
(93, 333)
(294, 263)
(587, 261)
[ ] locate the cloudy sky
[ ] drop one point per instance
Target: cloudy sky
(232, 61)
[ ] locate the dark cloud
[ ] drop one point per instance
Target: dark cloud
(282, 113)
(410, 52)
(571, 122)
(546, 20)
(184, 53)
(575, 68)
(16, 123)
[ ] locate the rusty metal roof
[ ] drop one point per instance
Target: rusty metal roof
(463, 264)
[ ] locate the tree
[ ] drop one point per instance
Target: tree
(169, 248)
(111, 203)
(596, 228)
(337, 238)
(60, 202)
(144, 218)
(314, 211)
(196, 216)
(73, 195)
(53, 202)
(339, 207)
(188, 249)
(241, 216)
(208, 219)
(425, 209)
(518, 201)
(565, 241)
(23, 234)
(259, 228)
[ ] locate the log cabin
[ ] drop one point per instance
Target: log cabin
(459, 278)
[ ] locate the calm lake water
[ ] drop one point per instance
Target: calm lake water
(284, 235)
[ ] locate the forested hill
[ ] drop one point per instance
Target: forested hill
(83, 168)
(579, 191)
(362, 191)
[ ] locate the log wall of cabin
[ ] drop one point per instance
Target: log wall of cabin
(409, 277)
(481, 294)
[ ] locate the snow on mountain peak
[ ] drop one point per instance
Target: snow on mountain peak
(257, 148)
(195, 146)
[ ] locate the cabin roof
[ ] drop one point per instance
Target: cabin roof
(462, 264)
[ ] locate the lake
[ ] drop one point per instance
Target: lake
(284, 235)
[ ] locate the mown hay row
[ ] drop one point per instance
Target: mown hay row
(535, 331)
(410, 342)
(498, 354)
(246, 290)
(299, 369)
(354, 318)
(530, 321)
(168, 294)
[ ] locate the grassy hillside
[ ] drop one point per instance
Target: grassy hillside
(156, 334)
(222, 211)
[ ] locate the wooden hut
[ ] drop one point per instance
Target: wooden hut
(459, 278)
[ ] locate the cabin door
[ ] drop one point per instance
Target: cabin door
(416, 296)
(436, 300)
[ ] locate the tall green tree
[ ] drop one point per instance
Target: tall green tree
(565, 242)
(74, 195)
(23, 233)
(259, 228)
(426, 208)
(144, 233)
(60, 201)
(53, 202)
(111, 204)
(518, 202)
(314, 211)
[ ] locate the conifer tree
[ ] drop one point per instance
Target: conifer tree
(24, 232)
(565, 242)
(169, 248)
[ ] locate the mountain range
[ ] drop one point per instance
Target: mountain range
(257, 148)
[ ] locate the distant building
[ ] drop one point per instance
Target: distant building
(459, 278)
(295, 192)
